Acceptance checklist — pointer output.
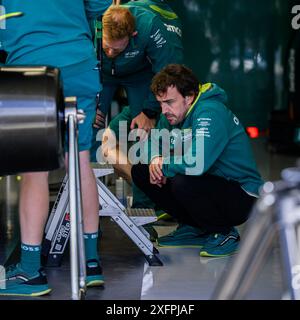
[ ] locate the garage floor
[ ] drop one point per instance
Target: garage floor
(184, 276)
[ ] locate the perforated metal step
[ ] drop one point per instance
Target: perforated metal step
(141, 216)
(102, 170)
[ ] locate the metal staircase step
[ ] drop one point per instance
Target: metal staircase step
(131, 221)
(138, 212)
(141, 216)
(102, 170)
(96, 165)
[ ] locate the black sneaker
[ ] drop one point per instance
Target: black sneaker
(94, 276)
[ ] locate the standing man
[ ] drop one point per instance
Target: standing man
(55, 33)
(139, 39)
(207, 179)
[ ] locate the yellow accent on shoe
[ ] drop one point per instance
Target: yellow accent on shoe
(208, 255)
(164, 216)
(36, 294)
(95, 283)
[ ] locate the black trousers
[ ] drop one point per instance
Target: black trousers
(206, 201)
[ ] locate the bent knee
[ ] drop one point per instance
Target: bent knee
(109, 142)
(179, 184)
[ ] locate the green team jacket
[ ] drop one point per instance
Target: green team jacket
(163, 10)
(37, 37)
(214, 142)
(157, 44)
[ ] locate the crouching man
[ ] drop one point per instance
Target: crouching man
(201, 167)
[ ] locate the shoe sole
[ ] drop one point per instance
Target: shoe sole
(35, 294)
(209, 255)
(95, 283)
(187, 246)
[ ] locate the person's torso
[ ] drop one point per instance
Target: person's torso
(236, 161)
(134, 59)
(52, 32)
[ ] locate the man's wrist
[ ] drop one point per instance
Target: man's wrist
(154, 157)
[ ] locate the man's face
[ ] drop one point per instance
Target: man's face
(113, 48)
(174, 105)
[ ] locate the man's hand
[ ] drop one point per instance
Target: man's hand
(142, 122)
(156, 174)
(99, 120)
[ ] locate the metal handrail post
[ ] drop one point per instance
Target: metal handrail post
(80, 235)
(77, 250)
(277, 212)
(288, 215)
(73, 208)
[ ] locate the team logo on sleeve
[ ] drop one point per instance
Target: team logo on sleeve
(158, 39)
(174, 29)
(203, 127)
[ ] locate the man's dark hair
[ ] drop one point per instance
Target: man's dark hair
(175, 75)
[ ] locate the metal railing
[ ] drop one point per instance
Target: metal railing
(77, 250)
(276, 214)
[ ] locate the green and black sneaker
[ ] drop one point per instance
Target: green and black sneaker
(94, 276)
(221, 244)
(184, 236)
(17, 282)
